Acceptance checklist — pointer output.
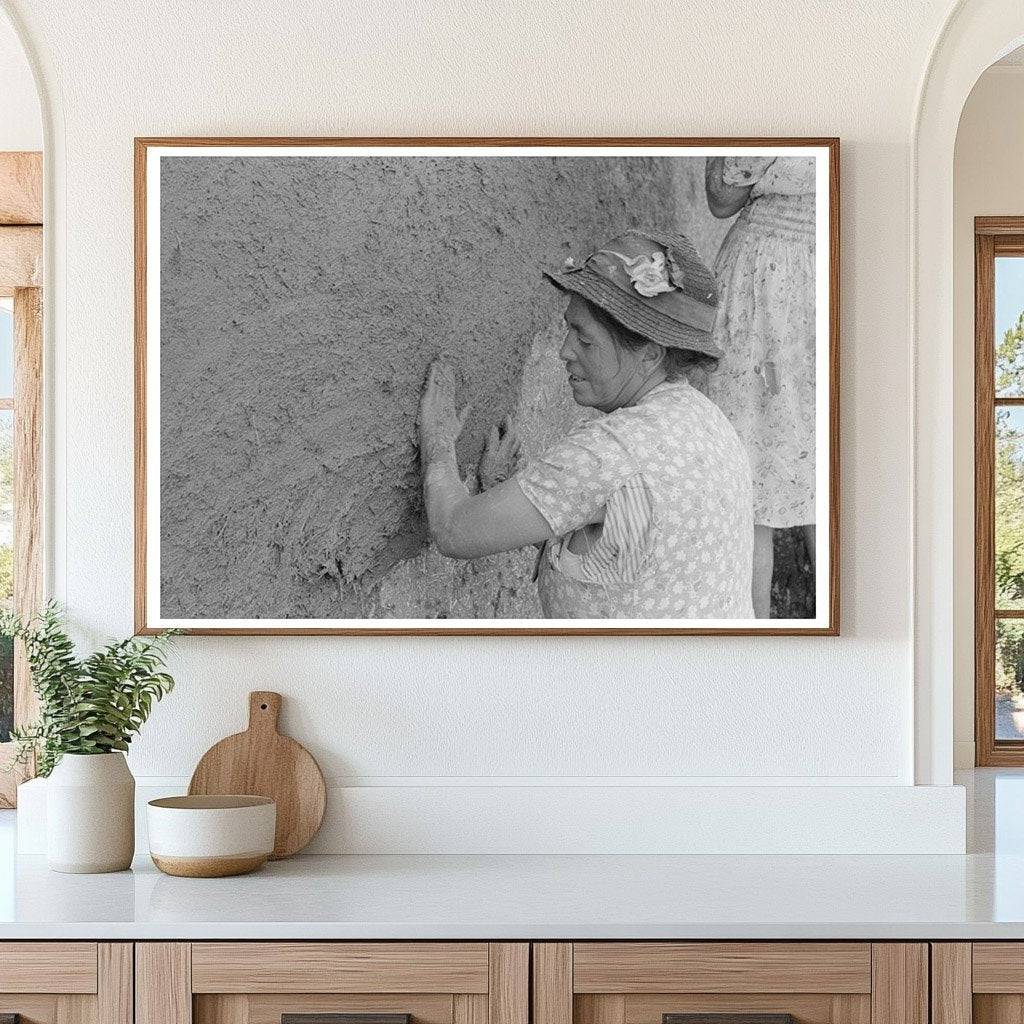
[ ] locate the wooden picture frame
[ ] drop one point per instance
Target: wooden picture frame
(148, 614)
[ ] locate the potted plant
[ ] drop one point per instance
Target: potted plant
(89, 709)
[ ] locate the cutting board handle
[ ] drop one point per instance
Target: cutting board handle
(264, 710)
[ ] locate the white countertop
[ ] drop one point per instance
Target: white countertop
(977, 896)
(532, 897)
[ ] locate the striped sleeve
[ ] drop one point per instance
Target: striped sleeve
(622, 555)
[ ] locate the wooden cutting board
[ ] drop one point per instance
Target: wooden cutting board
(262, 762)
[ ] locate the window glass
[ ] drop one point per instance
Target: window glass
(6, 348)
(1009, 679)
(1009, 512)
(1009, 326)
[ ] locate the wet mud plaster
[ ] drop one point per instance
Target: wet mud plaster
(302, 299)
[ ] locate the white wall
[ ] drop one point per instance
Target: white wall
(988, 181)
(440, 712)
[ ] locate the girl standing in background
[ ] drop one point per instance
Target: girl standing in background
(766, 328)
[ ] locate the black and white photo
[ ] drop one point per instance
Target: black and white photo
(404, 386)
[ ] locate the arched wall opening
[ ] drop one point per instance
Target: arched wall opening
(987, 182)
(976, 34)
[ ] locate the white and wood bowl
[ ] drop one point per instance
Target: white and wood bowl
(211, 836)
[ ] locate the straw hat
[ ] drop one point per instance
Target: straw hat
(653, 284)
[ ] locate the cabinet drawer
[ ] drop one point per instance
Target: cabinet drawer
(48, 967)
(340, 967)
(737, 982)
(261, 982)
(66, 982)
(630, 967)
(998, 967)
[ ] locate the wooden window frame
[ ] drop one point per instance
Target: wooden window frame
(21, 270)
(993, 236)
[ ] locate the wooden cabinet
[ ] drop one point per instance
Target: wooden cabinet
(494, 983)
(260, 982)
(66, 982)
(980, 982)
(650, 982)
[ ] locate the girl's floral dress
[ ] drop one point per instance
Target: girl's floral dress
(766, 327)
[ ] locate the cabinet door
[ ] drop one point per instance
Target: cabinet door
(332, 983)
(737, 982)
(66, 982)
(981, 982)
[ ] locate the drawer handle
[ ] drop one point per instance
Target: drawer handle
(340, 1018)
(728, 1018)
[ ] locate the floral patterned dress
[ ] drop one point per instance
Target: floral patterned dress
(766, 327)
(671, 480)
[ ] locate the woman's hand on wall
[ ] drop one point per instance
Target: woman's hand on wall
(438, 423)
(500, 455)
(464, 525)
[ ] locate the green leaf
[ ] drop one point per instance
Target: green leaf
(90, 705)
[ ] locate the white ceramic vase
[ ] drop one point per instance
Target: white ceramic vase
(90, 814)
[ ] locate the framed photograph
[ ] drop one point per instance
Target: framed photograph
(487, 386)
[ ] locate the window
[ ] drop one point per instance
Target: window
(999, 490)
(21, 349)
